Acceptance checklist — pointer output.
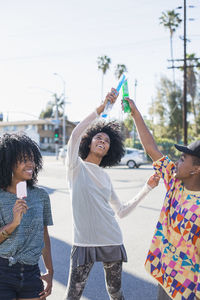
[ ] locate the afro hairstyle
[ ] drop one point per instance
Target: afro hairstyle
(116, 150)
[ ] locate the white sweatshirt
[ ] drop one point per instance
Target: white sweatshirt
(93, 197)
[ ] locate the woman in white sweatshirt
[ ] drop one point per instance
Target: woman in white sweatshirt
(97, 235)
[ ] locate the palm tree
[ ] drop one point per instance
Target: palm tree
(119, 70)
(54, 108)
(170, 19)
(103, 64)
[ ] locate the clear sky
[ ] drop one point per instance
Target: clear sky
(41, 37)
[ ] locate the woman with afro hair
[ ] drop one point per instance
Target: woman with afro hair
(23, 221)
(97, 235)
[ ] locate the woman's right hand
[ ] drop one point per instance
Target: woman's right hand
(19, 209)
(111, 96)
(153, 180)
(131, 104)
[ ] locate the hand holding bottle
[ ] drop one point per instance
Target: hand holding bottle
(125, 94)
(109, 104)
(132, 105)
(111, 97)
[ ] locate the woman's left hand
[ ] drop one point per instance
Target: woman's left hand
(153, 180)
(47, 291)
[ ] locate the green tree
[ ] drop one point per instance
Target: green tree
(193, 66)
(128, 122)
(119, 70)
(171, 20)
(103, 65)
(167, 110)
(49, 111)
(129, 143)
(129, 128)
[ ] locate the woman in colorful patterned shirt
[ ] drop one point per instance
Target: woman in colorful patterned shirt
(174, 255)
(23, 222)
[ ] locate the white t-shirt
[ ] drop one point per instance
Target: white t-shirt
(93, 197)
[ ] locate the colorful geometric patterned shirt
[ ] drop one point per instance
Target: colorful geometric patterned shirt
(174, 255)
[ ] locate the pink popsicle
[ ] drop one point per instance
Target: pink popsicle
(21, 190)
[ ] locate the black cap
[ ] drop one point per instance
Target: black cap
(192, 149)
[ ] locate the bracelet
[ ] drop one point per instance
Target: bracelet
(5, 234)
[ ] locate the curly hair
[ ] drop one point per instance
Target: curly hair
(14, 148)
(116, 150)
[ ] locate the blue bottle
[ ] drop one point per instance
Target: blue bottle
(108, 104)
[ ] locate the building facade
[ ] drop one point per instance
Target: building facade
(41, 131)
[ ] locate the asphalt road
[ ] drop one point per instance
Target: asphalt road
(137, 230)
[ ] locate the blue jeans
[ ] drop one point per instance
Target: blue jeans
(19, 281)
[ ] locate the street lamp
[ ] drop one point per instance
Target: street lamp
(64, 132)
(134, 136)
(56, 123)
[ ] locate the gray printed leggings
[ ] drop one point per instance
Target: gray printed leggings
(78, 277)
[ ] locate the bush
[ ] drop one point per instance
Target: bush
(166, 146)
(129, 142)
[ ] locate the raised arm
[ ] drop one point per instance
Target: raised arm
(146, 137)
(75, 139)
(79, 130)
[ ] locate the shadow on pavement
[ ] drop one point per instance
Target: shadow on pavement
(134, 288)
(51, 190)
(123, 167)
(47, 189)
(151, 208)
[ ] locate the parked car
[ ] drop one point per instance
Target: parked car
(134, 158)
(62, 152)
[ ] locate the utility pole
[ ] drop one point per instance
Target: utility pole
(134, 134)
(56, 125)
(63, 127)
(184, 68)
(135, 90)
(185, 81)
